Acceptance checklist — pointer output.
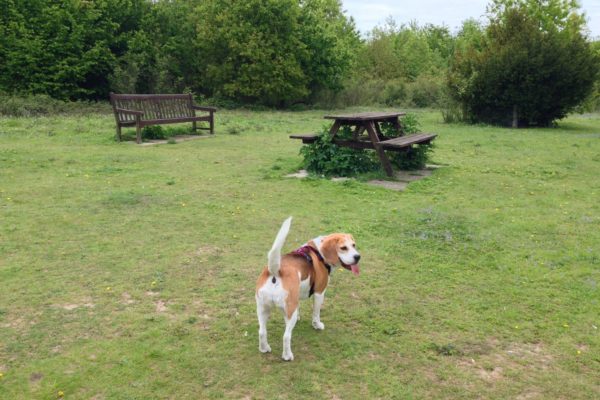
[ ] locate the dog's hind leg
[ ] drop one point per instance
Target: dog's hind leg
(263, 311)
(287, 336)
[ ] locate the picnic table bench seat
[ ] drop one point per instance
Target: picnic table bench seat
(407, 141)
(142, 110)
(307, 138)
(393, 144)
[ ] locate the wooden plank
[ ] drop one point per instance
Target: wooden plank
(407, 141)
(306, 138)
(365, 116)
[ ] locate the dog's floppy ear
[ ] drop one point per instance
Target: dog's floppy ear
(329, 249)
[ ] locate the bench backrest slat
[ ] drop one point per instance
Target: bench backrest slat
(154, 106)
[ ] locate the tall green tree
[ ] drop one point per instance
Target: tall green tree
(252, 51)
(66, 49)
(273, 52)
(533, 66)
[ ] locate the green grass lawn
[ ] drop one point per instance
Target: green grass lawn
(128, 272)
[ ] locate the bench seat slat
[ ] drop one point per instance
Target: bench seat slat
(407, 141)
(160, 121)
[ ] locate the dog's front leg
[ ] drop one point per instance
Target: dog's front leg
(263, 311)
(316, 318)
(287, 336)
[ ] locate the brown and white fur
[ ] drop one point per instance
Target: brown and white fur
(290, 278)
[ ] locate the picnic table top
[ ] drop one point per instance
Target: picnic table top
(365, 116)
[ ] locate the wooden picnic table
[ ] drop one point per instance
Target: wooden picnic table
(370, 122)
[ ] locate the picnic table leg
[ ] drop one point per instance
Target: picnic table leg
(378, 130)
(398, 126)
(138, 130)
(358, 131)
(380, 152)
(335, 128)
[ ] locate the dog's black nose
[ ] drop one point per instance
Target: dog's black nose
(356, 257)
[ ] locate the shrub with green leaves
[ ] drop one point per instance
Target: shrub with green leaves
(153, 132)
(324, 157)
(38, 105)
(415, 157)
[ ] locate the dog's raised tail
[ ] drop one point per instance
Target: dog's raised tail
(275, 252)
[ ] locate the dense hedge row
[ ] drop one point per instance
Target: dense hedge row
(292, 53)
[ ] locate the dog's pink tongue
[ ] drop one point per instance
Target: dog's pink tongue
(355, 270)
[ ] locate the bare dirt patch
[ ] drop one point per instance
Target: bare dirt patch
(207, 250)
(161, 306)
(126, 298)
(392, 185)
(399, 182)
(35, 377)
(86, 302)
(495, 361)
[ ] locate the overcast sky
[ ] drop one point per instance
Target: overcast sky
(451, 13)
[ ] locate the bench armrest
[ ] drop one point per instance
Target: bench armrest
(125, 111)
(204, 108)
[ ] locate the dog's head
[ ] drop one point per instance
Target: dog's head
(340, 249)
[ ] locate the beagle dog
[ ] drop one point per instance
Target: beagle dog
(298, 275)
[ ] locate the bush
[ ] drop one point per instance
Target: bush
(426, 91)
(153, 132)
(40, 105)
(395, 93)
(414, 158)
(323, 157)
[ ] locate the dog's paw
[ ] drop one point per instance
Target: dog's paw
(287, 356)
(264, 348)
(318, 325)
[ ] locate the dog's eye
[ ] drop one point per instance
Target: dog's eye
(344, 248)
(354, 245)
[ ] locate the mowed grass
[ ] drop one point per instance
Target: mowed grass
(128, 272)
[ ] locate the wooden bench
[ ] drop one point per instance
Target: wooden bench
(142, 110)
(394, 144)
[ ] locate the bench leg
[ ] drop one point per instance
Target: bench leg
(119, 132)
(138, 133)
(194, 126)
(212, 123)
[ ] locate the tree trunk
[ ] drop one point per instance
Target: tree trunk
(515, 121)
